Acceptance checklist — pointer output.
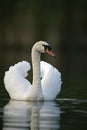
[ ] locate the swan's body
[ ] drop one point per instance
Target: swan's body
(47, 88)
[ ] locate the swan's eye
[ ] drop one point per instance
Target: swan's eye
(47, 47)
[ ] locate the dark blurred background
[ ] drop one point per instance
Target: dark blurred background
(62, 23)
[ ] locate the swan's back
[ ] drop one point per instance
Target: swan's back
(51, 81)
(15, 82)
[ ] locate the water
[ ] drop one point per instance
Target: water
(62, 114)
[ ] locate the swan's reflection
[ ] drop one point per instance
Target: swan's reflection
(22, 115)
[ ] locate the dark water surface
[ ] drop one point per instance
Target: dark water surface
(62, 114)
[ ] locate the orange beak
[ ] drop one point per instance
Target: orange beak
(50, 52)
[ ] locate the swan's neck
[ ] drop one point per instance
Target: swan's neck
(36, 68)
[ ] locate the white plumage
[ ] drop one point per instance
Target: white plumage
(46, 79)
(51, 81)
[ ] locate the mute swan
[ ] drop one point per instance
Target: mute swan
(47, 88)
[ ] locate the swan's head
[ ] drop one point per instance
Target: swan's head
(43, 47)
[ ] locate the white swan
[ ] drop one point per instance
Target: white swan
(47, 88)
